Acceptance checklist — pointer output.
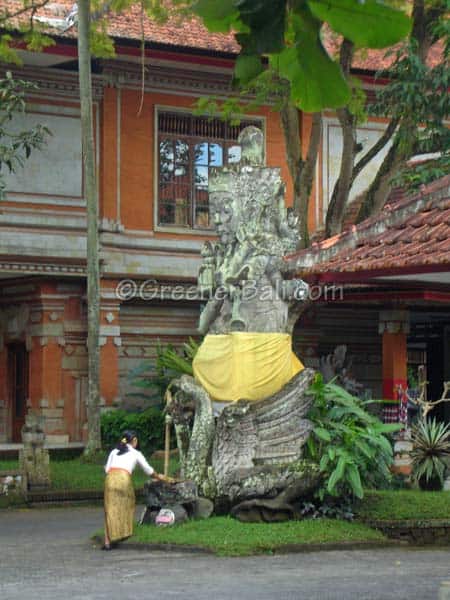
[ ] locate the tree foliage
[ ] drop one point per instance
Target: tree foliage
(288, 33)
(16, 145)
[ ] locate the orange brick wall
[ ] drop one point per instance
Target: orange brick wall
(137, 159)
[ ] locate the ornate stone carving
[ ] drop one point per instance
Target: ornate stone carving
(34, 458)
(243, 274)
(250, 450)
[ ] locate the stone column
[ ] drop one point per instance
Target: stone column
(394, 327)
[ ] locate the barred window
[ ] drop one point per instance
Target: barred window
(188, 147)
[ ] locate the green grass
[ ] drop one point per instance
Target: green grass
(75, 474)
(404, 504)
(228, 537)
(8, 464)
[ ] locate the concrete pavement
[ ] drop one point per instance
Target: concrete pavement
(46, 553)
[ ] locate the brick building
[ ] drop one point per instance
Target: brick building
(153, 157)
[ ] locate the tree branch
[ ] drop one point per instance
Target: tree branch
(33, 7)
(335, 213)
(307, 176)
(373, 151)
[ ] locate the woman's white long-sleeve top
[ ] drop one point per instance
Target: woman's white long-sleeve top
(128, 461)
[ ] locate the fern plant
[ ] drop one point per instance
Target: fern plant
(431, 447)
(350, 444)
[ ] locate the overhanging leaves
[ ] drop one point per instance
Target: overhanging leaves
(368, 23)
(301, 63)
(218, 15)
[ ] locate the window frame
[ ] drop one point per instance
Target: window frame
(260, 120)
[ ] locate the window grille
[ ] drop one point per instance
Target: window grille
(188, 147)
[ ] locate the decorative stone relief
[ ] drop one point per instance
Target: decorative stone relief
(34, 458)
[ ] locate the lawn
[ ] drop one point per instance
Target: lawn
(228, 537)
(403, 504)
(75, 474)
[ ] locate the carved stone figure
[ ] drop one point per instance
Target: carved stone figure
(251, 450)
(34, 459)
(337, 366)
(207, 270)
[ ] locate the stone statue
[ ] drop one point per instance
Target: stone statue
(337, 367)
(253, 449)
(206, 283)
(34, 459)
(255, 233)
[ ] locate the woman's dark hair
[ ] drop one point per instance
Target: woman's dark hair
(126, 438)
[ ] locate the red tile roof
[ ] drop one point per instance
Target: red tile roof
(177, 32)
(411, 232)
(180, 32)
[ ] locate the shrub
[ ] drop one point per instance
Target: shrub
(431, 448)
(149, 426)
(348, 442)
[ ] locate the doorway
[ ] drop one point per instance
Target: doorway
(18, 387)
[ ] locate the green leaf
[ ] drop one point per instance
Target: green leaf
(247, 68)
(300, 66)
(324, 461)
(266, 22)
(218, 15)
(336, 475)
(301, 63)
(322, 433)
(367, 23)
(355, 480)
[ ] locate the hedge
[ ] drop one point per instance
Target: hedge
(149, 426)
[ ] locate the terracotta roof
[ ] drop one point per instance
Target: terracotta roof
(182, 33)
(177, 32)
(411, 232)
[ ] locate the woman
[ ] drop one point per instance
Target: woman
(119, 495)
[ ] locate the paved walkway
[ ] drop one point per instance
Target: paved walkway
(46, 554)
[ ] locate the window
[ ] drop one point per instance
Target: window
(188, 147)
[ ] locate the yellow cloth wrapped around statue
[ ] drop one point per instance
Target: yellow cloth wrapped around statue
(241, 365)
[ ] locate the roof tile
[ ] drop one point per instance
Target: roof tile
(416, 233)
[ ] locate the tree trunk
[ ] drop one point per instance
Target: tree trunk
(339, 198)
(378, 192)
(301, 171)
(338, 202)
(90, 193)
(405, 141)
